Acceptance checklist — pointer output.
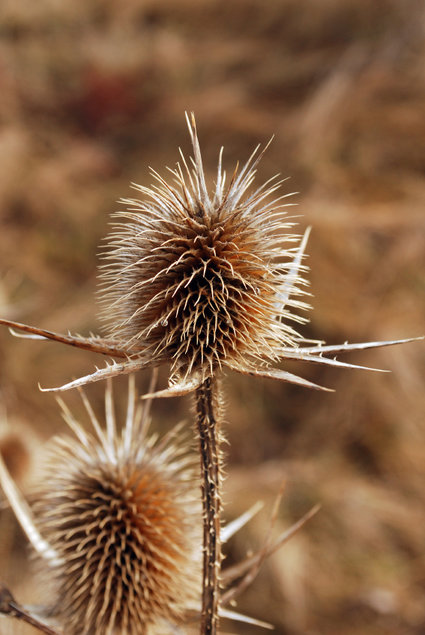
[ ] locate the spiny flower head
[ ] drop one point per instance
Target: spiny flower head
(202, 280)
(121, 516)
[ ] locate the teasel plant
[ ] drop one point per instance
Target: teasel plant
(204, 281)
(115, 522)
(115, 515)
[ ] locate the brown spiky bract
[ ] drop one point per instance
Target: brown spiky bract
(123, 521)
(199, 280)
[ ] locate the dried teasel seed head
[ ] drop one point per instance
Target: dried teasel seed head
(121, 515)
(203, 280)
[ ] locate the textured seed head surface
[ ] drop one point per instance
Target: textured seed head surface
(124, 525)
(202, 280)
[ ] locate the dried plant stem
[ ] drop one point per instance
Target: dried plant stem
(208, 428)
(9, 606)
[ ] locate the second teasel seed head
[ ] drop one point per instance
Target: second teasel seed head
(121, 516)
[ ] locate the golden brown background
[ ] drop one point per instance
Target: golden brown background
(91, 93)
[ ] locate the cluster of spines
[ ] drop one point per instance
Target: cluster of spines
(202, 281)
(122, 520)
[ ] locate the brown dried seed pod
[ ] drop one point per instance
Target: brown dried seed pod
(203, 280)
(122, 516)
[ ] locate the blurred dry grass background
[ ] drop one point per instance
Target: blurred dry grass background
(92, 93)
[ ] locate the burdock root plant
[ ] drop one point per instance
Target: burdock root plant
(204, 281)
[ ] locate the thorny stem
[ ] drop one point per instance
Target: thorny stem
(9, 606)
(208, 428)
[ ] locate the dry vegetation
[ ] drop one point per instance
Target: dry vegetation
(91, 93)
